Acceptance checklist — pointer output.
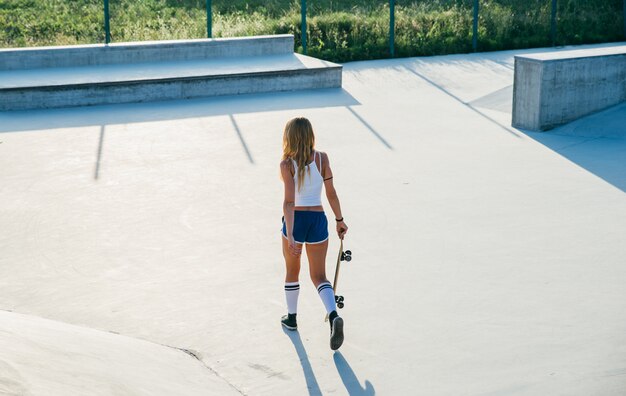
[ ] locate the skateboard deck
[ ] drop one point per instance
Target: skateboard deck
(342, 256)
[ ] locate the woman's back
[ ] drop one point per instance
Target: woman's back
(309, 192)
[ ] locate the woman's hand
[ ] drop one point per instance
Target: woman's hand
(342, 228)
(293, 246)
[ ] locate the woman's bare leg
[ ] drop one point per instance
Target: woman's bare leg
(292, 286)
(317, 267)
(316, 254)
(292, 262)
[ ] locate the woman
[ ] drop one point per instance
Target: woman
(304, 171)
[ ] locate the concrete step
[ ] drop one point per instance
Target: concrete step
(153, 81)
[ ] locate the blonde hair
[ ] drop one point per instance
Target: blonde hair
(298, 144)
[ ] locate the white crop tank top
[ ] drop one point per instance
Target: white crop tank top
(310, 193)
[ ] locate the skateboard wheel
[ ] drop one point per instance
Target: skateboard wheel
(340, 305)
(348, 258)
(349, 253)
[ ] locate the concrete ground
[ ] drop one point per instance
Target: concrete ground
(141, 250)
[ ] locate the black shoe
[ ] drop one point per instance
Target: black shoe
(289, 321)
(336, 330)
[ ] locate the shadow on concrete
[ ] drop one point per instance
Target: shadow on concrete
(349, 379)
(499, 100)
(33, 120)
(467, 104)
(241, 139)
(96, 172)
(596, 143)
(368, 126)
(309, 376)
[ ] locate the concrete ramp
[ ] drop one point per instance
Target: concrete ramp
(53, 77)
(44, 357)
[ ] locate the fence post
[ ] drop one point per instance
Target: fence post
(107, 27)
(475, 27)
(553, 23)
(209, 19)
(392, 27)
(303, 28)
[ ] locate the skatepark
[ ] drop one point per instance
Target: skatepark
(141, 249)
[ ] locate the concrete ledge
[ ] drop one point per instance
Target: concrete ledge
(145, 90)
(552, 89)
(152, 51)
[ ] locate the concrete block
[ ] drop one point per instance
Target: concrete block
(70, 95)
(141, 72)
(139, 52)
(552, 89)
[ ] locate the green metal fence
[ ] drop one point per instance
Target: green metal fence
(107, 22)
(476, 22)
(339, 30)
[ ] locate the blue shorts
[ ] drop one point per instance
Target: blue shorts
(308, 227)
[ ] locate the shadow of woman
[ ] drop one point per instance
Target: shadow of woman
(350, 381)
(311, 382)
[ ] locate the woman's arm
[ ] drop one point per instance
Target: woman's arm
(333, 198)
(289, 203)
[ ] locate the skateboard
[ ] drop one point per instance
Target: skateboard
(342, 256)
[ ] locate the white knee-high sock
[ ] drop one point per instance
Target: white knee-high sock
(292, 290)
(325, 290)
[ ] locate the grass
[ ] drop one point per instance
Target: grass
(338, 30)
